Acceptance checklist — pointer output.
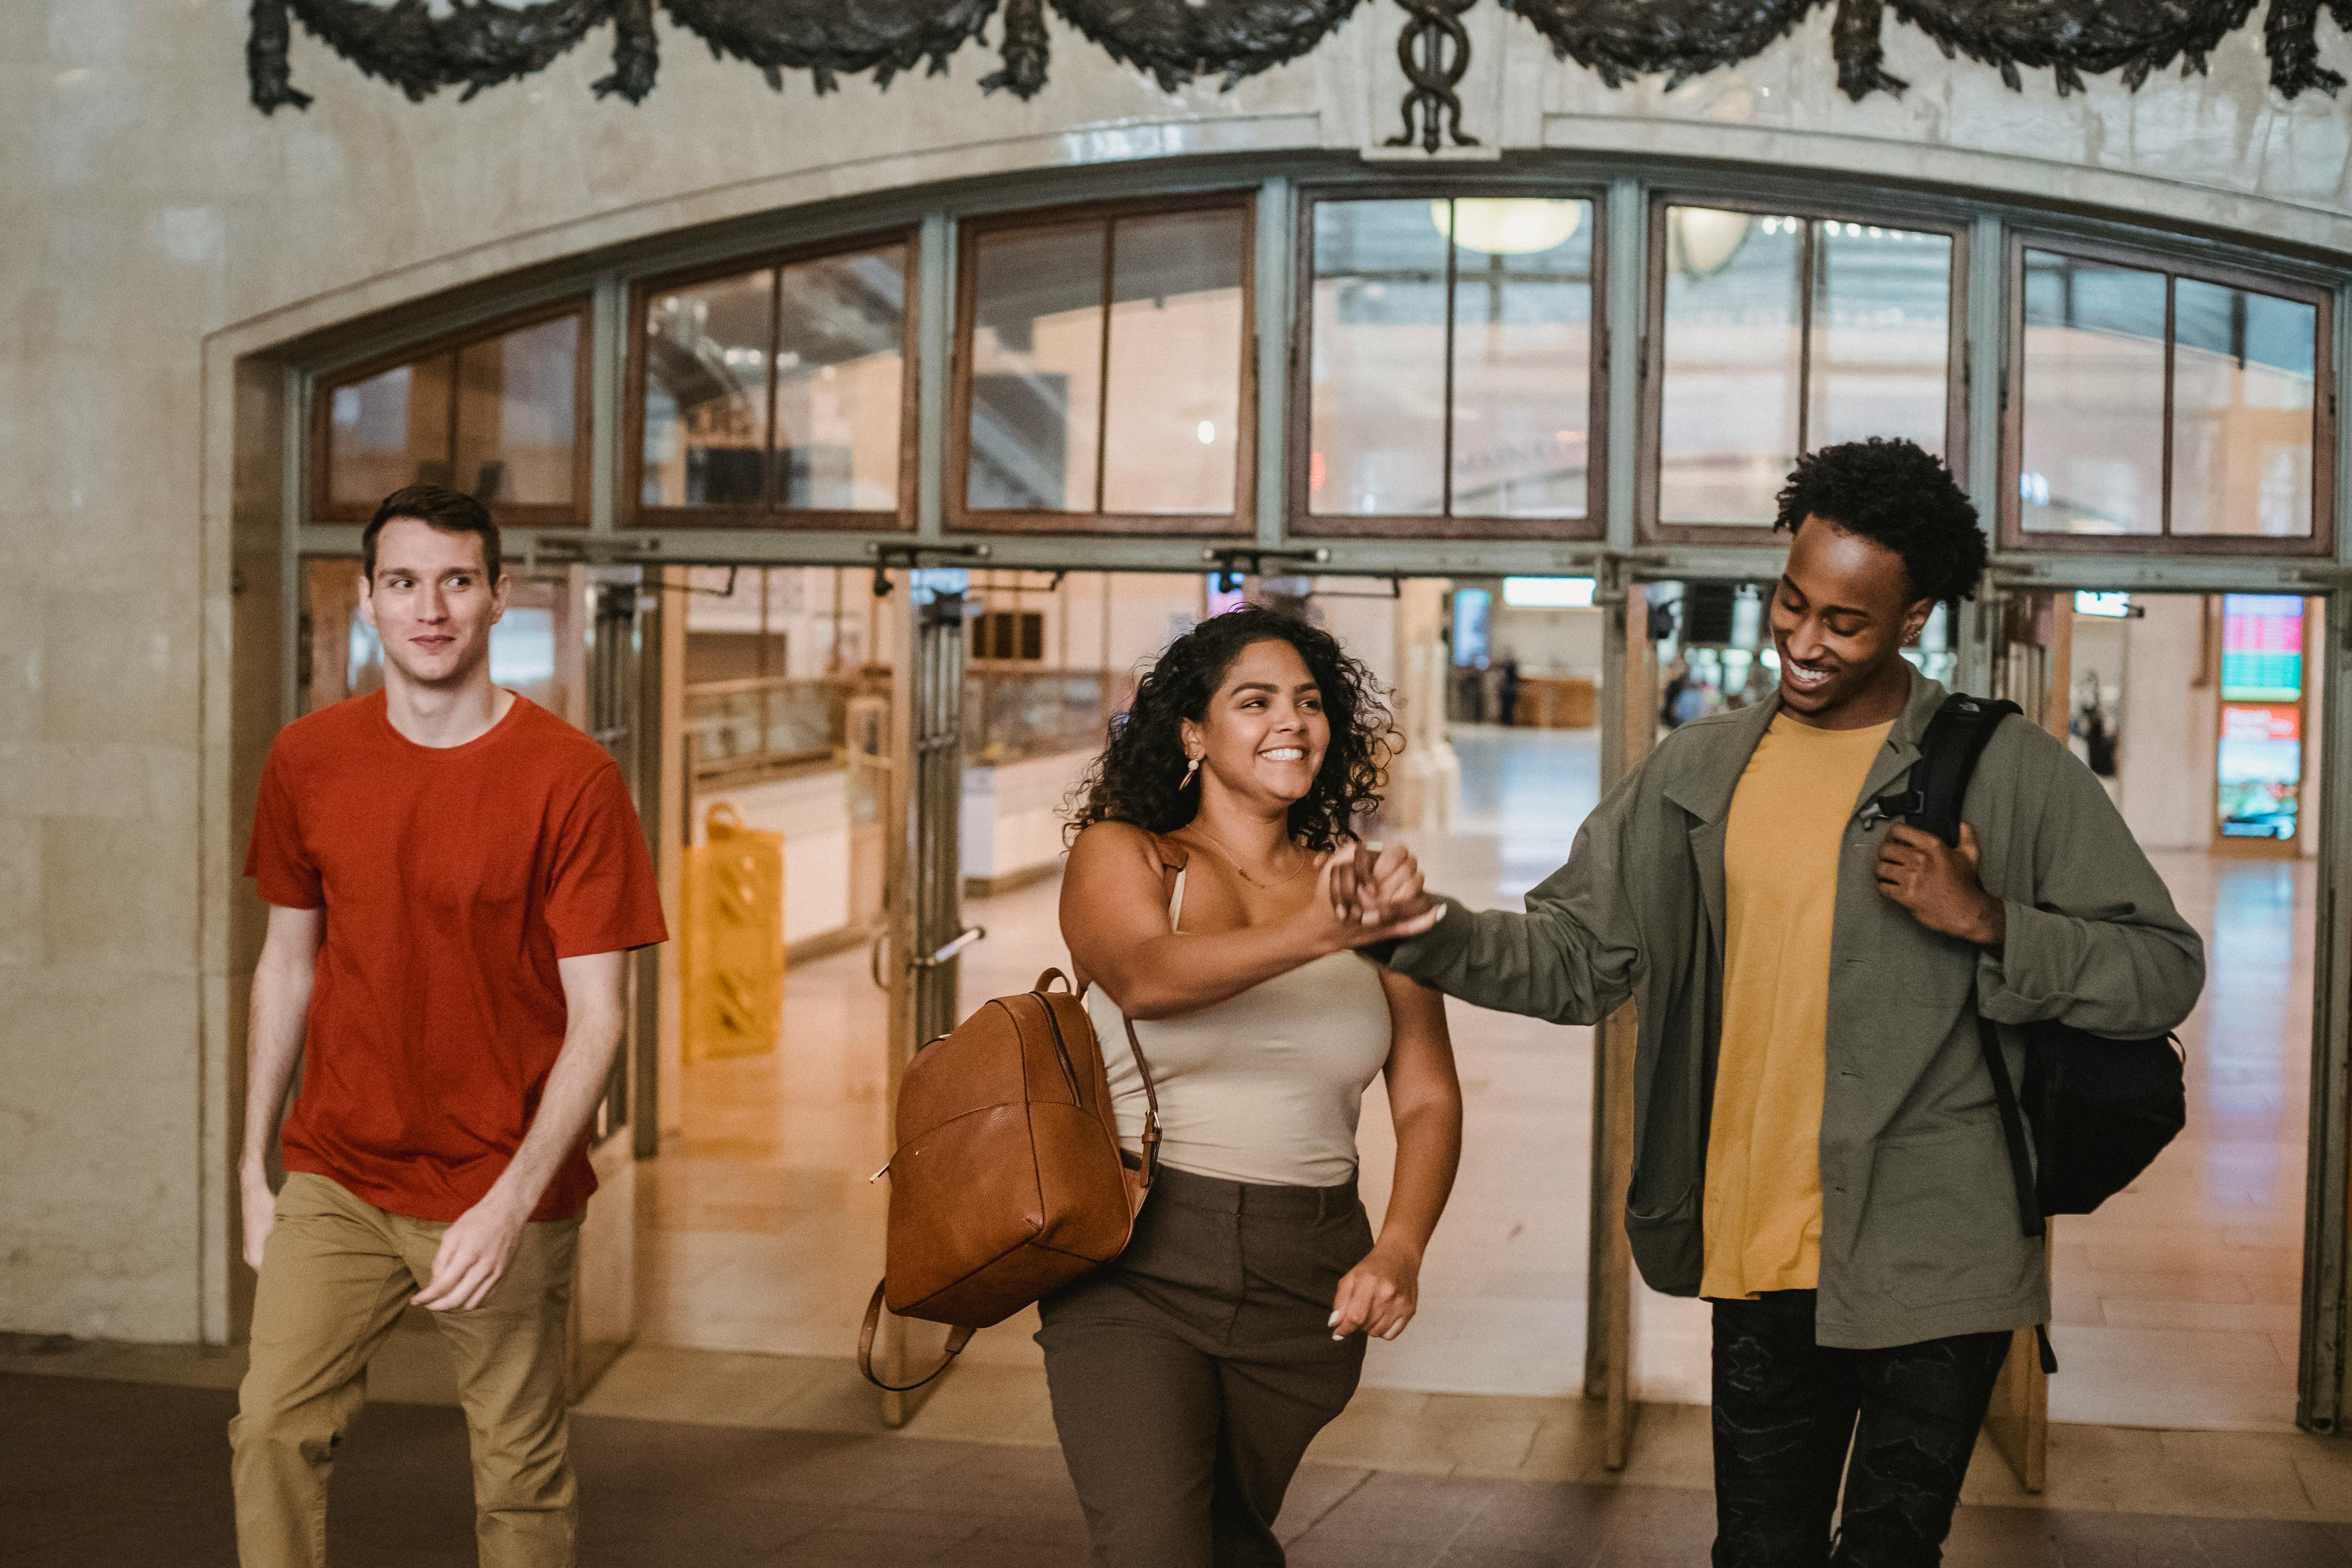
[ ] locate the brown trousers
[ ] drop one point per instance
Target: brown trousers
(334, 1276)
(1189, 1376)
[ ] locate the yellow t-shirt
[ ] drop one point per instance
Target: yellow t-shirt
(1780, 867)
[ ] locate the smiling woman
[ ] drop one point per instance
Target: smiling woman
(1141, 778)
(1201, 942)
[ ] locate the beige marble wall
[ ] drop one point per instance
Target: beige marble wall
(155, 230)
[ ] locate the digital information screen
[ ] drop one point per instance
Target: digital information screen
(2259, 762)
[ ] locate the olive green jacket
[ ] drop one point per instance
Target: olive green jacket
(1919, 1222)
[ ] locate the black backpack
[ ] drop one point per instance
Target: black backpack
(2098, 1110)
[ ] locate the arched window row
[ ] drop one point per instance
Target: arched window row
(1448, 375)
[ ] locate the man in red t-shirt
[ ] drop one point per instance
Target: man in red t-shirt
(453, 875)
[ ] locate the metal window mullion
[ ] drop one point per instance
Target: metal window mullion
(1102, 375)
(935, 329)
(1446, 471)
(608, 326)
(2320, 1362)
(456, 357)
(772, 488)
(1274, 232)
(1626, 308)
(1987, 349)
(2164, 503)
(1808, 270)
(299, 390)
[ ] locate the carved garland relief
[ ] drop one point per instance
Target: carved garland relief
(475, 44)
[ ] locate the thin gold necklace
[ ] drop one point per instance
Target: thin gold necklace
(1230, 860)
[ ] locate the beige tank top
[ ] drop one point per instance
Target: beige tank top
(1265, 1087)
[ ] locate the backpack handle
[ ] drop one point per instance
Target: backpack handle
(1045, 988)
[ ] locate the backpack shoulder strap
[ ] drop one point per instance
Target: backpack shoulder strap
(1948, 752)
(1939, 781)
(1173, 857)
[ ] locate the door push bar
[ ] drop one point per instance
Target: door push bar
(945, 956)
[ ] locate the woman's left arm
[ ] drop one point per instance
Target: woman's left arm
(1379, 1294)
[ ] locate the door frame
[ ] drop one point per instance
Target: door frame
(277, 386)
(2320, 1375)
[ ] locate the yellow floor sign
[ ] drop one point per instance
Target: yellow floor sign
(734, 957)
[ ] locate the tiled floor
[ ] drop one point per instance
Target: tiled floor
(2177, 1304)
(124, 1474)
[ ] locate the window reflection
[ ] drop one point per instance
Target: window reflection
(1378, 426)
(2098, 419)
(1734, 311)
(1036, 368)
(1522, 351)
(1497, 289)
(783, 387)
(389, 430)
(1784, 334)
(2242, 411)
(2092, 448)
(517, 416)
(1881, 333)
(498, 418)
(841, 380)
(1107, 366)
(1172, 393)
(706, 439)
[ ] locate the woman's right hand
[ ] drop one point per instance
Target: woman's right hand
(1364, 895)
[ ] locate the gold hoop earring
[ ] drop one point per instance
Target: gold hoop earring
(1191, 767)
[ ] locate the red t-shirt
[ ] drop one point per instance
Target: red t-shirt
(453, 879)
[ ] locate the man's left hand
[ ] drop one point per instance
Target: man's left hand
(473, 1256)
(1937, 882)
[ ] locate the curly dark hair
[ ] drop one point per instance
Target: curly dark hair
(1135, 778)
(1895, 494)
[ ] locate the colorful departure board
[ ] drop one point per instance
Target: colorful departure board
(2259, 760)
(2261, 647)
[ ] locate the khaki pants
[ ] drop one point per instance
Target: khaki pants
(334, 1276)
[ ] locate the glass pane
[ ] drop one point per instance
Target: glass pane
(841, 380)
(1727, 418)
(518, 421)
(2242, 411)
(707, 392)
(1377, 424)
(1036, 369)
(2092, 459)
(1522, 356)
(390, 430)
(1173, 417)
(1882, 335)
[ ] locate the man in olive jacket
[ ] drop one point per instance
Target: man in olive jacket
(1817, 1148)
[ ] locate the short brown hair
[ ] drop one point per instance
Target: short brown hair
(435, 506)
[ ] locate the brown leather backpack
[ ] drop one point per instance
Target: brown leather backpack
(1009, 1182)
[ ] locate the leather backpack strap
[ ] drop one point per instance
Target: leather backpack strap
(958, 1338)
(1150, 1112)
(1174, 858)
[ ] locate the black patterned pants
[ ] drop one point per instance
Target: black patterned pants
(1788, 1411)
